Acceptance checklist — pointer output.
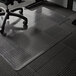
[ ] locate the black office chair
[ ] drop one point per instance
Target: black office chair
(11, 13)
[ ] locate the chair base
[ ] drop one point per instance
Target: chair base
(11, 13)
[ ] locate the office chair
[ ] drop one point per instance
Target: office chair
(8, 13)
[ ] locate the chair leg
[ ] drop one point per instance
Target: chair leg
(22, 17)
(21, 10)
(3, 25)
(2, 12)
(13, 14)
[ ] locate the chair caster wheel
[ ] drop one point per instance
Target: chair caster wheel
(19, 1)
(21, 12)
(74, 22)
(4, 34)
(25, 22)
(25, 25)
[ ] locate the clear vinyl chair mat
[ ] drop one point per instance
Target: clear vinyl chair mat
(23, 47)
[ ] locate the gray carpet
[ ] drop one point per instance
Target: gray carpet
(71, 41)
(69, 70)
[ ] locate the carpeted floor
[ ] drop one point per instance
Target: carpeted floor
(43, 49)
